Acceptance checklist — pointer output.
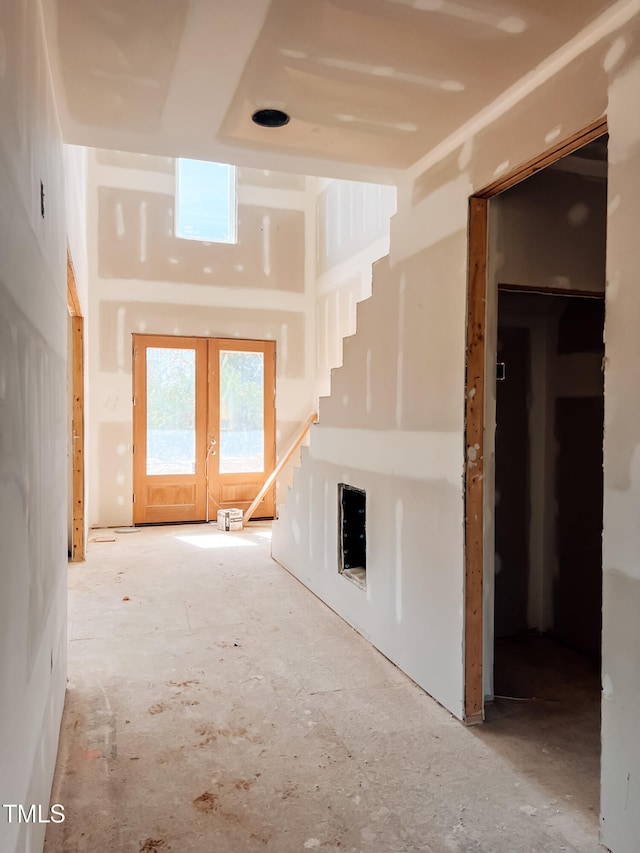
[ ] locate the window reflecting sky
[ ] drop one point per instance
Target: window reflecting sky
(206, 207)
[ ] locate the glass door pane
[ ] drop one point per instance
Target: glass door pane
(241, 440)
(171, 411)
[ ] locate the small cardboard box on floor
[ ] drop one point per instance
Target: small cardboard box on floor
(230, 519)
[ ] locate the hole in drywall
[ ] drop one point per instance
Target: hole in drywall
(352, 534)
(42, 199)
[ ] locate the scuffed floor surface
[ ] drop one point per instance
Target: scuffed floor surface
(214, 705)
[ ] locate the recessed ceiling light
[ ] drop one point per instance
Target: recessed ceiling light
(270, 118)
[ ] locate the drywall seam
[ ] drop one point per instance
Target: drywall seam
(411, 455)
(142, 180)
(184, 293)
(145, 180)
(278, 199)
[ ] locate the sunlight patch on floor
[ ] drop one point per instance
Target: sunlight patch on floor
(263, 534)
(226, 541)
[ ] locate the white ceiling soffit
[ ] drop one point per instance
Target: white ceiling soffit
(371, 85)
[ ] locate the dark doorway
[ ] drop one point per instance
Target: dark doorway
(549, 240)
(542, 245)
(548, 480)
(512, 480)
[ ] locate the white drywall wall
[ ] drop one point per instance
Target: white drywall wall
(352, 232)
(33, 340)
(404, 372)
(75, 184)
(620, 798)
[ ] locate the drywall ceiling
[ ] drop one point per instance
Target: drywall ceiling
(371, 85)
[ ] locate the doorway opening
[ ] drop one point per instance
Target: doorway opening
(535, 410)
(203, 426)
(548, 469)
(547, 245)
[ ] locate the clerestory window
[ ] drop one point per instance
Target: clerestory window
(206, 205)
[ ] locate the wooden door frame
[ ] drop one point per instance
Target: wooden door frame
(140, 344)
(268, 347)
(207, 392)
(475, 409)
(77, 419)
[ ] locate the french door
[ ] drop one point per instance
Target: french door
(203, 426)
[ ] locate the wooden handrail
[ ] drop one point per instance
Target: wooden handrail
(274, 474)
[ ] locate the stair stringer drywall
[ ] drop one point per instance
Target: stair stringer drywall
(405, 451)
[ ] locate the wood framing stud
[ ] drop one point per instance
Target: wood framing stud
(77, 331)
(73, 303)
(77, 413)
(474, 448)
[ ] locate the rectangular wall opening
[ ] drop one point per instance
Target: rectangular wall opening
(352, 534)
(543, 487)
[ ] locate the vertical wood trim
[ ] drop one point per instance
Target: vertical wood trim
(268, 349)
(77, 383)
(139, 427)
(201, 347)
(474, 459)
(213, 428)
(73, 303)
(269, 424)
(77, 416)
(142, 513)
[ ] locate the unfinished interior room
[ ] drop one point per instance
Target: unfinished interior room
(319, 426)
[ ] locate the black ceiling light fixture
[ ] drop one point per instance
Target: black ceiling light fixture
(270, 118)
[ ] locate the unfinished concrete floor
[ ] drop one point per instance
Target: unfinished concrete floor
(214, 705)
